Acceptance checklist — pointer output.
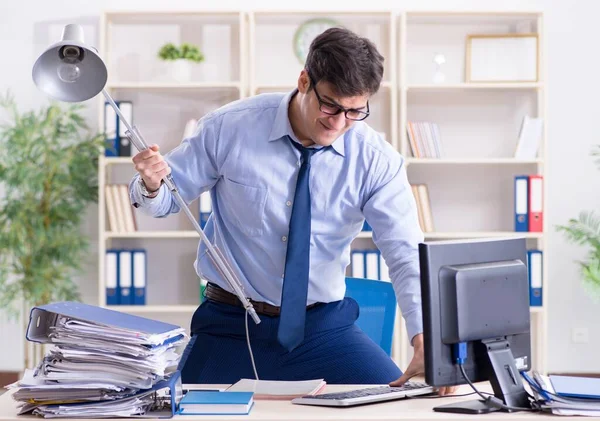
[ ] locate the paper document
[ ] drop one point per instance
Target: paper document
(276, 389)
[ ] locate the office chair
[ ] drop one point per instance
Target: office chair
(377, 303)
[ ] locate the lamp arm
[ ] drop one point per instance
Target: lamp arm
(213, 251)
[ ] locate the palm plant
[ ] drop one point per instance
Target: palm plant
(48, 169)
(585, 230)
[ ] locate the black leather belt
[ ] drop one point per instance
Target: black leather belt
(216, 293)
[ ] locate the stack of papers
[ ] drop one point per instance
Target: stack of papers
(566, 395)
(103, 363)
(277, 389)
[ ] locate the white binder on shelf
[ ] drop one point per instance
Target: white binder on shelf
(358, 264)
(372, 264)
(111, 276)
(139, 277)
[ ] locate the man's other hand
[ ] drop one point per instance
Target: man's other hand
(417, 367)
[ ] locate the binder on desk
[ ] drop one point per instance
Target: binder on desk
(125, 277)
(521, 203)
(534, 261)
(139, 277)
(43, 318)
(536, 203)
(111, 274)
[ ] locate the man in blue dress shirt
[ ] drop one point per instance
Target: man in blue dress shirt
(292, 178)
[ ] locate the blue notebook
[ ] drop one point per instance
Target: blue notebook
(576, 387)
(198, 402)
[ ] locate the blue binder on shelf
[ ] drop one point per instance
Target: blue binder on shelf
(111, 130)
(139, 275)
(521, 203)
(359, 266)
(125, 278)
(205, 208)
(366, 226)
(372, 264)
(111, 274)
(536, 277)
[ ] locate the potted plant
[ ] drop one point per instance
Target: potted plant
(48, 170)
(585, 230)
(182, 59)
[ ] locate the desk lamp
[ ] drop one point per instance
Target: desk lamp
(71, 71)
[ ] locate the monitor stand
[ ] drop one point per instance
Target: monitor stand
(504, 377)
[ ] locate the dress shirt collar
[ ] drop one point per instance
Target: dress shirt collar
(282, 126)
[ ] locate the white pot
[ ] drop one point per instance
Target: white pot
(181, 70)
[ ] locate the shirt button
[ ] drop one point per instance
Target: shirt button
(284, 238)
(288, 203)
(298, 164)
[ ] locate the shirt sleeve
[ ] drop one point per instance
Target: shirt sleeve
(391, 211)
(194, 168)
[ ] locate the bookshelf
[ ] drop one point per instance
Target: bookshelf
(470, 186)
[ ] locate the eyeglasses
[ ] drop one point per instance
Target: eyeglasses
(334, 109)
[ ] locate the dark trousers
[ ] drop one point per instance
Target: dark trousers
(334, 348)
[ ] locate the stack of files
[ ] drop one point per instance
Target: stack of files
(278, 389)
(101, 363)
(424, 139)
(566, 395)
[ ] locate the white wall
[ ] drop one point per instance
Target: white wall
(572, 70)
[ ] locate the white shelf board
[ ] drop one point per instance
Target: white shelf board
(474, 161)
(111, 160)
(174, 85)
(153, 234)
(285, 88)
(155, 309)
(481, 234)
(474, 86)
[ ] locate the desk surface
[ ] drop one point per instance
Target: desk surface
(408, 409)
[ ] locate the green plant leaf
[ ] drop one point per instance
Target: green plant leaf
(49, 172)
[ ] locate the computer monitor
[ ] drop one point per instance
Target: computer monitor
(476, 299)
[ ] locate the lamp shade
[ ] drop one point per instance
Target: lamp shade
(69, 70)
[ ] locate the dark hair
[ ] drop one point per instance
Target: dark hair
(350, 63)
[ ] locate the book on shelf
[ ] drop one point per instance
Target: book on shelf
(121, 213)
(421, 194)
(530, 137)
(424, 139)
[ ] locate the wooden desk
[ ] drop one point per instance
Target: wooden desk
(408, 409)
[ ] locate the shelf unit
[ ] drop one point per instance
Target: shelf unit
(129, 43)
(407, 42)
(479, 126)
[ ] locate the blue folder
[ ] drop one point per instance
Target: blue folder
(576, 387)
(42, 318)
(197, 402)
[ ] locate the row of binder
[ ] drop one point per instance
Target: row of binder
(125, 277)
(114, 129)
(121, 213)
(424, 139)
(369, 264)
(529, 203)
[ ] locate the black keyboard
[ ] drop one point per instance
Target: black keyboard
(366, 395)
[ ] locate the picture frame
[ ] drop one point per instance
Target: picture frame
(502, 58)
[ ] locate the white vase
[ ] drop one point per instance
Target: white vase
(181, 70)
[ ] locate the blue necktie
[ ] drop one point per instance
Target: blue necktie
(295, 277)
